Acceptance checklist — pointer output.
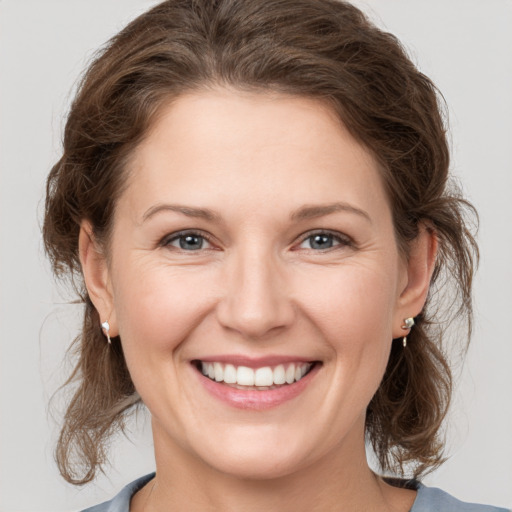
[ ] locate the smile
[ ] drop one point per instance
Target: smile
(264, 378)
(252, 385)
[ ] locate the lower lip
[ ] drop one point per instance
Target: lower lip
(257, 400)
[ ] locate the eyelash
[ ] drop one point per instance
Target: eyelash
(343, 240)
(166, 242)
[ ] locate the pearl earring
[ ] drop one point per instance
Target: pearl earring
(408, 324)
(106, 329)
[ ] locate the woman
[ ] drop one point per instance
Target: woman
(255, 197)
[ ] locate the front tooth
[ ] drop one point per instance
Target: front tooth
(263, 376)
(279, 375)
(290, 374)
(230, 374)
(219, 372)
(245, 376)
(211, 371)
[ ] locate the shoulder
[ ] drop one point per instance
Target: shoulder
(430, 499)
(121, 502)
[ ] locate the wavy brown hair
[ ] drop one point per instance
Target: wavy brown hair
(322, 49)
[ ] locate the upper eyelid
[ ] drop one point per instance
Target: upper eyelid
(332, 232)
(178, 234)
(347, 240)
(301, 238)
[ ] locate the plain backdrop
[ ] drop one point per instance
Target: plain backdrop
(464, 45)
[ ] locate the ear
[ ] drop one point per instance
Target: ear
(419, 268)
(96, 275)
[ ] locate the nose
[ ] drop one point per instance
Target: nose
(255, 302)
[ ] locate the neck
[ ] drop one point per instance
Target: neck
(341, 480)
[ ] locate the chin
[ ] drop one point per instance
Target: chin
(256, 466)
(259, 460)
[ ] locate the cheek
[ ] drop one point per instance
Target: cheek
(356, 303)
(354, 311)
(157, 307)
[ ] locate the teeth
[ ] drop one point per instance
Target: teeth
(262, 378)
(290, 374)
(279, 375)
(219, 372)
(245, 376)
(230, 374)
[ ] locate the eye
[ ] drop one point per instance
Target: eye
(324, 240)
(187, 241)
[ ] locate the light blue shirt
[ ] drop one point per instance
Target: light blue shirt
(428, 499)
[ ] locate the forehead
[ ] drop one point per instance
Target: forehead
(223, 145)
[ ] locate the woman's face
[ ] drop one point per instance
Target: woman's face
(254, 242)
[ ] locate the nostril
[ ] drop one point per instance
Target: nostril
(255, 302)
(255, 321)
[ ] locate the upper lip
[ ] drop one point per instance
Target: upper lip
(254, 362)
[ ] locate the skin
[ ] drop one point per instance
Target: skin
(260, 287)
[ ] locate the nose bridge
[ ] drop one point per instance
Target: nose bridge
(255, 301)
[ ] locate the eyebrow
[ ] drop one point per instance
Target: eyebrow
(314, 211)
(303, 213)
(189, 211)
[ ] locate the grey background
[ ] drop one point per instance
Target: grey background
(464, 45)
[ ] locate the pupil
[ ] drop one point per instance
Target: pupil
(321, 241)
(191, 242)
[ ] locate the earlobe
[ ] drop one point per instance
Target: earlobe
(96, 275)
(419, 269)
